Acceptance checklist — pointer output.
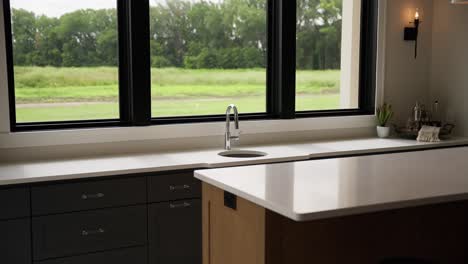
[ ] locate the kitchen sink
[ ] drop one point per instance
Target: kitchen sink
(242, 154)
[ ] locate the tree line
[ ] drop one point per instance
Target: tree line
(227, 35)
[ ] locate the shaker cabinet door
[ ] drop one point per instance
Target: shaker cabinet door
(137, 255)
(173, 186)
(88, 195)
(73, 234)
(14, 203)
(175, 232)
(15, 241)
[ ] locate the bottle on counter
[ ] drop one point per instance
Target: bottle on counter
(417, 112)
(436, 117)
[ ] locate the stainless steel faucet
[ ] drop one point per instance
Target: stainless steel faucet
(228, 136)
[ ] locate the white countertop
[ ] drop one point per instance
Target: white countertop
(52, 170)
(317, 189)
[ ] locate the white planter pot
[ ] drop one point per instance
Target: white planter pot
(383, 132)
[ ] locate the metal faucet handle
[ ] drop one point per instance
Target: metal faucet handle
(235, 135)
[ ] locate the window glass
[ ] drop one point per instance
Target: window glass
(327, 54)
(207, 54)
(65, 55)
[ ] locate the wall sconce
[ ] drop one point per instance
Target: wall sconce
(412, 33)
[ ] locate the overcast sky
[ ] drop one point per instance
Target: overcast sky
(56, 8)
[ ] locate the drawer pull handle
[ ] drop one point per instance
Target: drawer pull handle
(180, 205)
(174, 188)
(92, 232)
(92, 196)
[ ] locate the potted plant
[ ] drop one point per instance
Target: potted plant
(384, 114)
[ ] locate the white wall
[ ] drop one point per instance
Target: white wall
(441, 70)
(406, 78)
(449, 73)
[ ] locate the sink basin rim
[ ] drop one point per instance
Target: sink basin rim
(242, 154)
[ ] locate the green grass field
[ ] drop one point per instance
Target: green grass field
(57, 94)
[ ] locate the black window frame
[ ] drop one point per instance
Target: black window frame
(135, 70)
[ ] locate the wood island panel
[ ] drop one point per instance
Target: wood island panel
(253, 235)
(232, 236)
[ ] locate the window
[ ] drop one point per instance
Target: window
(206, 55)
(65, 57)
(327, 48)
(336, 43)
(125, 63)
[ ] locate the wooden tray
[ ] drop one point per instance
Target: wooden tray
(412, 133)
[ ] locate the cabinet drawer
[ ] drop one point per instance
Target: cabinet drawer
(14, 203)
(175, 231)
(123, 256)
(173, 187)
(15, 241)
(71, 197)
(90, 231)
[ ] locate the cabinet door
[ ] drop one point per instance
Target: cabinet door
(175, 232)
(14, 203)
(15, 241)
(72, 197)
(175, 186)
(91, 231)
(122, 256)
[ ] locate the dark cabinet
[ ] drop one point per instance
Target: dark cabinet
(176, 186)
(123, 256)
(14, 203)
(69, 197)
(85, 232)
(15, 242)
(175, 232)
(99, 221)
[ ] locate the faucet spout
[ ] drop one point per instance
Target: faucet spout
(228, 137)
(228, 117)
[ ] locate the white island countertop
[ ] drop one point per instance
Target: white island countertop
(318, 189)
(25, 172)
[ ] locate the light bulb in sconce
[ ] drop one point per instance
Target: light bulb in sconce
(416, 15)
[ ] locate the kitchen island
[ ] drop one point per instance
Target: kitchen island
(391, 208)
